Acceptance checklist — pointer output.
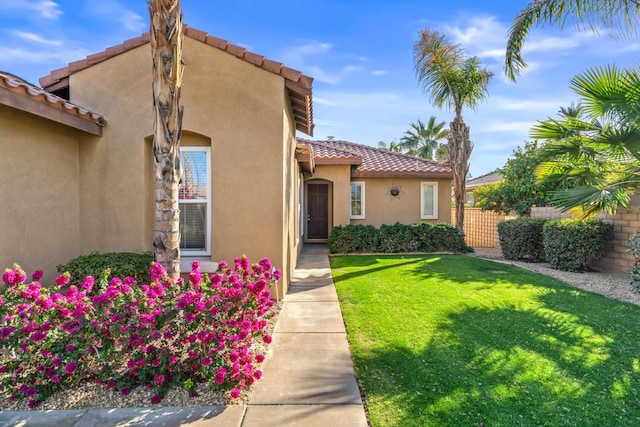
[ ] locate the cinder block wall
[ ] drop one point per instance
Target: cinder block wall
(481, 228)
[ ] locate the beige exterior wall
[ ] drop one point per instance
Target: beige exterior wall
(239, 107)
(382, 208)
(39, 178)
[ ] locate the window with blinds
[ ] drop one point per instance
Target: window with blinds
(194, 196)
(429, 200)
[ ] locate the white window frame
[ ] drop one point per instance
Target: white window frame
(435, 199)
(207, 200)
(362, 186)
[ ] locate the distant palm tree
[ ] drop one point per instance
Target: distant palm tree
(620, 16)
(423, 141)
(452, 80)
(393, 146)
(166, 52)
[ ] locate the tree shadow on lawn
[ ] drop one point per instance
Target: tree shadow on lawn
(551, 370)
(369, 261)
(568, 361)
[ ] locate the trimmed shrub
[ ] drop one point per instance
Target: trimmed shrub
(353, 238)
(521, 239)
(634, 249)
(120, 264)
(422, 237)
(439, 237)
(572, 245)
(397, 238)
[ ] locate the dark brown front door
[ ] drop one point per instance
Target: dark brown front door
(318, 211)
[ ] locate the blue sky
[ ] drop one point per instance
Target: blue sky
(359, 52)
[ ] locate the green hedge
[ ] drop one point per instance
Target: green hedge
(521, 239)
(121, 264)
(572, 245)
(422, 237)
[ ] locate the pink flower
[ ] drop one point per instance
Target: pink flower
(70, 368)
(206, 361)
(37, 275)
(63, 279)
(195, 265)
(111, 384)
(195, 277)
(69, 348)
(220, 376)
(267, 339)
(222, 265)
(87, 283)
(260, 358)
(173, 359)
(125, 391)
(55, 379)
(235, 393)
(33, 403)
(257, 374)
(156, 399)
(159, 379)
(157, 272)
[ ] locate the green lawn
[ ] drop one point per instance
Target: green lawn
(449, 340)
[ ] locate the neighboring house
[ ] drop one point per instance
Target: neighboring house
(350, 183)
(76, 171)
(489, 178)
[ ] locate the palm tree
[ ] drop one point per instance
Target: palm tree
(166, 52)
(452, 80)
(421, 140)
(619, 16)
(393, 146)
(596, 154)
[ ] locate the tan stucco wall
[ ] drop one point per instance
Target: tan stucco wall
(240, 107)
(340, 178)
(39, 175)
(382, 208)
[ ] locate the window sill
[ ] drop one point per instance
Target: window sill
(206, 265)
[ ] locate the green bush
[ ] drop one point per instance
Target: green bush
(422, 237)
(121, 264)
(353, 238)
(397, 238)
(572, 245)
(634, 249)
(521, 239)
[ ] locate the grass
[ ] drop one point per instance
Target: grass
(449, 340)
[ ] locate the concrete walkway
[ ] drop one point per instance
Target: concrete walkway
(308, 377)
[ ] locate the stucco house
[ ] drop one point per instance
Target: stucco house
(76, 171)
(352, 183)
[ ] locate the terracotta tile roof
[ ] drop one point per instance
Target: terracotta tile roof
(298, 85)
(17, 93)
(372, 161)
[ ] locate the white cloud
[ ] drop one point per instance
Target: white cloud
(510, 126)
(530, 105)
(379, 72)
(111, 9)
(297, 56)
(47, 9)
(351, 69)
(10, 56)
(36, 38)
(323, 101)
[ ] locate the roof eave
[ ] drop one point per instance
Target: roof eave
(34, 106)
(400, 174)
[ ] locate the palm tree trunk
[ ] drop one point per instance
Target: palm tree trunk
(166, 51)
(459, 151)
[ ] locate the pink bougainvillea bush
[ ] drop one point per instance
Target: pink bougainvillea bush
(123, 334)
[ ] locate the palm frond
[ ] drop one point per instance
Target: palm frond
(618, 16)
